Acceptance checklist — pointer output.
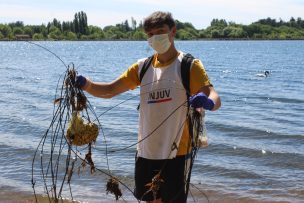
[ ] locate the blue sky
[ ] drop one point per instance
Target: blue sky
(102, 13)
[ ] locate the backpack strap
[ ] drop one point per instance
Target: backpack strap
(185, 75)
(145, 67)
(185, 72)
(143, 70)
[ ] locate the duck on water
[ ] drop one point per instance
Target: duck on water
(265, 74)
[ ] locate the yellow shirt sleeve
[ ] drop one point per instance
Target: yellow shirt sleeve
(130, 76)
(198, 77)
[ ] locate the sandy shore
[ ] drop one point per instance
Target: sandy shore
(15, 197)
(213, 197)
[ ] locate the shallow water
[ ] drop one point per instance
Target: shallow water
(256, 150)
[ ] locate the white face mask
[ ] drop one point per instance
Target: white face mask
(160, 43)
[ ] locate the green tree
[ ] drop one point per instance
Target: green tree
(38, 28)
(96, 36)
(234, 32)
(57, 24)
(55, 33)
(268, 21)
(216, 33)
(179, 25)
(16, 24)
(126, 26)
(189, 25)
(266, 29)
(94, 29)
(66, 26)
(252, 29)
(140, 25)
(48, 27)
(53, 29)
(300, 22)
(76, 23)
(28, 31)
(215, 30)
(202, 34)
(192, 31)
(80, 23)
(96, 33)
(17, 31)
(183, 34)
(5, 30)
(292, 22)
(115, 35)
(133, 21)
(84, 23)
(70, 36)
(38, 36)
(219, 23)
(139, 35)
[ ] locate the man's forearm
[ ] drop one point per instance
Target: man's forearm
(97, 89)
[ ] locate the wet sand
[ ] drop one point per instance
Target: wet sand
(15, 197)
(213, 197)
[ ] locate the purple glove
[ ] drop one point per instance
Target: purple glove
(80, 81)
(201, 100)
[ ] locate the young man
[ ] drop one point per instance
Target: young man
(163, 131)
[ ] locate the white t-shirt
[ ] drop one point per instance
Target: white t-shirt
(163, 110)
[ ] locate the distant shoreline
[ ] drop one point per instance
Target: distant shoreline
(78, 29)
(131, 40)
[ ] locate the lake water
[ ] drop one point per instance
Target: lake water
(256, 149)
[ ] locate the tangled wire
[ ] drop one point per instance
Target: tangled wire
(71, 131)
(74, 128)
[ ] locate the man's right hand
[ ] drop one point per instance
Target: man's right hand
(80, 81)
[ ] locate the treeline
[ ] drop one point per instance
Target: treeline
(78, 29)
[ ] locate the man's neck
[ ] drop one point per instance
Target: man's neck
(168, 56)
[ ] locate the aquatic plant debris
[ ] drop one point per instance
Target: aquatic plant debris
(71, 131)
(74, 128)
(113, 187)
(154, 186)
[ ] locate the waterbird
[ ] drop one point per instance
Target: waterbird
(265, 74)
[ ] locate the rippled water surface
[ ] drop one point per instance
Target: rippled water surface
(256, 149)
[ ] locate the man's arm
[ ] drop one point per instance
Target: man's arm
(106, 90)
(212, 94)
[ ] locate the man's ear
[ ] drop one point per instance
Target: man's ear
(173, 29)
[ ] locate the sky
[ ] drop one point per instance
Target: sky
(102, 13)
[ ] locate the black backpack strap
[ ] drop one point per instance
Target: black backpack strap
(143, 70)
(145, 67)
(185, 75)
(185, 72)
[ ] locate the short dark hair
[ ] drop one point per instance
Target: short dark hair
(158, 19)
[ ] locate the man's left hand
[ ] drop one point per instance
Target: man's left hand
(201, 100)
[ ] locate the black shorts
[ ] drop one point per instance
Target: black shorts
(172, 188)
